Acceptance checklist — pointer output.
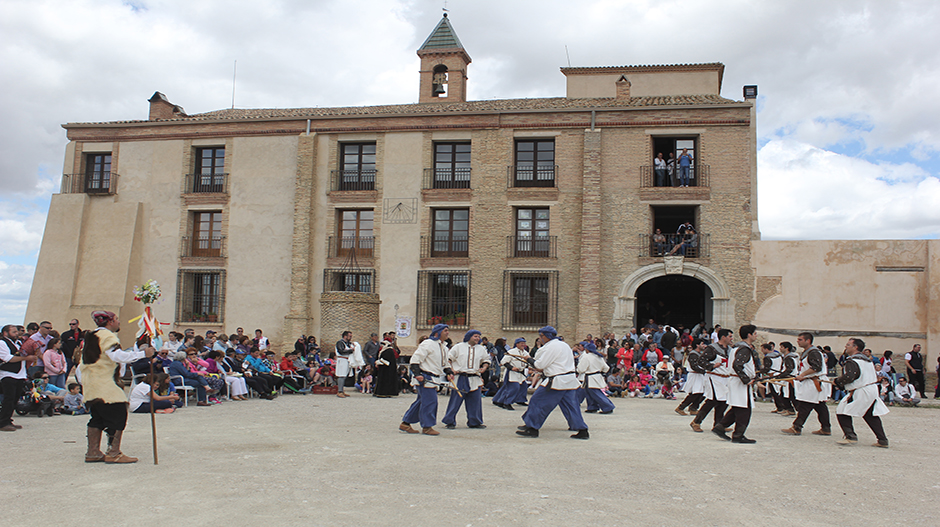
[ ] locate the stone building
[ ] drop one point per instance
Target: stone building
(501, 215)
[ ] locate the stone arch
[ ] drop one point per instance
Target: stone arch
(625, 301)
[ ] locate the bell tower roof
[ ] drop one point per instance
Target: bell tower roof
(443, 37)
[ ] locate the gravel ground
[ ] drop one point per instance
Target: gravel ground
(321, 460)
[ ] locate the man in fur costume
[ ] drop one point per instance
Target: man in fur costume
(101, 381)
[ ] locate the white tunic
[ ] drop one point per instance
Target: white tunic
(785, 387)
(468, 359)
(862, 393)
(806, 390)
(694, 382)
(716, 381)
(592, 367)
(556, 361)
(741, 395)
(431, 357)
(513, 362)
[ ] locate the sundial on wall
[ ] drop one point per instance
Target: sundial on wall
(400, 210)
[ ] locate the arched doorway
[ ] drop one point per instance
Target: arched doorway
(675, 300)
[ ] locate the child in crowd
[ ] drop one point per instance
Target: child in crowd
(54, 363)
(646, 379)
(405, 379)
(667, 390)
(74, 402)
(365, 379)
(885, 392)
(635, 386)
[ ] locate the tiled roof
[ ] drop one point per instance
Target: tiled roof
(494, 105)
(443, 36)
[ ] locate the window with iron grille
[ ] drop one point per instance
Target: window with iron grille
(535, 163)
(209, 170)
(530, 299)
(443, 296)
(532, 232)
(350, 281)
(451, 165)
(207, 234)
(200, 295)
(451, 233)
(357, 166)
(98, 173)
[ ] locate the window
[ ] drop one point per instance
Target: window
(451, 165)
(200, 295)
(532, 238)
(357, 170)
(209, 173)
(443, 296)
(350, 281)
(207, 234)
(530, 299)
(355, 232)
(98, 174)
(451, 232)
(672, 148)
(535, 163)
(675, 233)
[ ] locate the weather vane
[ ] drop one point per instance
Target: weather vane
(445, 7)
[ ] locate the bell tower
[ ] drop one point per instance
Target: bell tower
(443, 66)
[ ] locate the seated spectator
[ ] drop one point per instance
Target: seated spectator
(201, 367)
(49, 392)
(179, 368)
(886, 392)
(172, 343)
(405, 376)
(667, 390)
(293, 380)
(647, 380)
(635, 386)
(664, 370)
(235, 383)
(615, 385)
(151, 385)
(74, 402)
(365, 379)
(259, 368)
(905, 394)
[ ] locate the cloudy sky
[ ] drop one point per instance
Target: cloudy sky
(849, 130)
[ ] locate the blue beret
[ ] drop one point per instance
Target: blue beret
(518, 340)
(472, 332)
(548, 330)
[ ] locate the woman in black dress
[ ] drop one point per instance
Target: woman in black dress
(386, 372)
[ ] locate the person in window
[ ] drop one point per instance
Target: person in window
(671, 169)
(685, 167)
(659, 168)
(659, 243)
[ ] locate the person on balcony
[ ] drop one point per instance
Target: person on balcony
(685, 167)
(659, 168)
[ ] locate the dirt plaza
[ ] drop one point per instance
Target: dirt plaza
(321, 460)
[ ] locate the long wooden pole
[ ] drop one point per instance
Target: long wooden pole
(153, 417)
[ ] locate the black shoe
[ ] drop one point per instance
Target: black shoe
(720, 432)
(497, 404)
(743, 440)
(450, 427)
(528, 432)
(476, 426)
(591, 411)
(523, 404)
(607, 412)
(582, 434)
(508, 407)
(523, 427)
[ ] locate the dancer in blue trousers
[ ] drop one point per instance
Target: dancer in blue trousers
(429, 369)
(556, 362)
(514, 385)
(469, 360)
(591, 369)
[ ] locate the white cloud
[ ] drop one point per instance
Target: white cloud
(15, 282)
(810, 193)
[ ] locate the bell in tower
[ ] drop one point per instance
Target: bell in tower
(438, 81)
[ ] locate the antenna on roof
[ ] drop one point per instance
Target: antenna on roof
(567, 56)
(234, 72)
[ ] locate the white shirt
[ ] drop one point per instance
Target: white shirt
(5, 355)
(659, 163)
(431, 356)
(139, 395)
(555, 359)
(465, 358)
(171, 345)
(904, 392)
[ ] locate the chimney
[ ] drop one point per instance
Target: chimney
(161, 108)
(623, 87)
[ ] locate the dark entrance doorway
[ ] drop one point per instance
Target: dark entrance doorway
(675, 300)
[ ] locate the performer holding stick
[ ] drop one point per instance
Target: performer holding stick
(469, 360)
(861, 400)
(811, 392)
(716, 379)
(514, 386)
(744, 362)
(555, 360)
(695, 381)
(429, 365)
(107, 402)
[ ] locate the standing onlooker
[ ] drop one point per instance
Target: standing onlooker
(659, 168)
(36, 345)
(71, 341)
(260, 340)
(685, 165)
(915, 369)
(12, 376)
(54, 363)
(371, 350)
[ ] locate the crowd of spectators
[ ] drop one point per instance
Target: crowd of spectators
(647, 362)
